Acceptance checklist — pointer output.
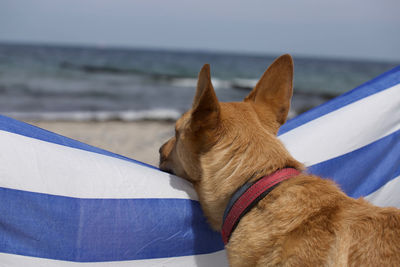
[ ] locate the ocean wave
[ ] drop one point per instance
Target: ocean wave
(111, 69)
(192, 83)
(127, 115)
(103, 69)
(182, 79)
(175, 79)
(246, 84)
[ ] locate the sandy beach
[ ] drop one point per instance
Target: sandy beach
(139, 140)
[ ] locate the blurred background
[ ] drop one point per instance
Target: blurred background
(116, 73)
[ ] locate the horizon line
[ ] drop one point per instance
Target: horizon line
(194, 50)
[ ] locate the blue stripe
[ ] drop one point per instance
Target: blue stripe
(25, 129)
(382, 82)
(365, 170)
(87, 230)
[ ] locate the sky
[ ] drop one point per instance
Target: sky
(356, 29)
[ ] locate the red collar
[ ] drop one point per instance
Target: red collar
(248, 196)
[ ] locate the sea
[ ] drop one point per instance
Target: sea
(54, 82)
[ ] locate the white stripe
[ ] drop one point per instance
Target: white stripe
(217, 259)
(38, 166)
(346, 129)
(387, 195)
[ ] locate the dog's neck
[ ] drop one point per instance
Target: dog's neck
(248, 195)
(225, 176)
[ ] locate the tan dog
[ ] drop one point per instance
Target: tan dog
(305, 220)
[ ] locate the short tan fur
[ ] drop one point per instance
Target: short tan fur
(306, 220)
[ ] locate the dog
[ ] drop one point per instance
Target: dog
(302, 220)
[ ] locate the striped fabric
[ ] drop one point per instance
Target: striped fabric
(65, 203)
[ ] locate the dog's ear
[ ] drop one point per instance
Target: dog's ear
(205, 109)
(275, 88)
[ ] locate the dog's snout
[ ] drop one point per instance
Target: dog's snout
(162, 155)
(164, 151)
(161, 149)
(165, 155)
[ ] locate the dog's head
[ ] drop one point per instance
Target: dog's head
(212, 130)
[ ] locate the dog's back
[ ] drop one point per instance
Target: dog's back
(308, 221)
